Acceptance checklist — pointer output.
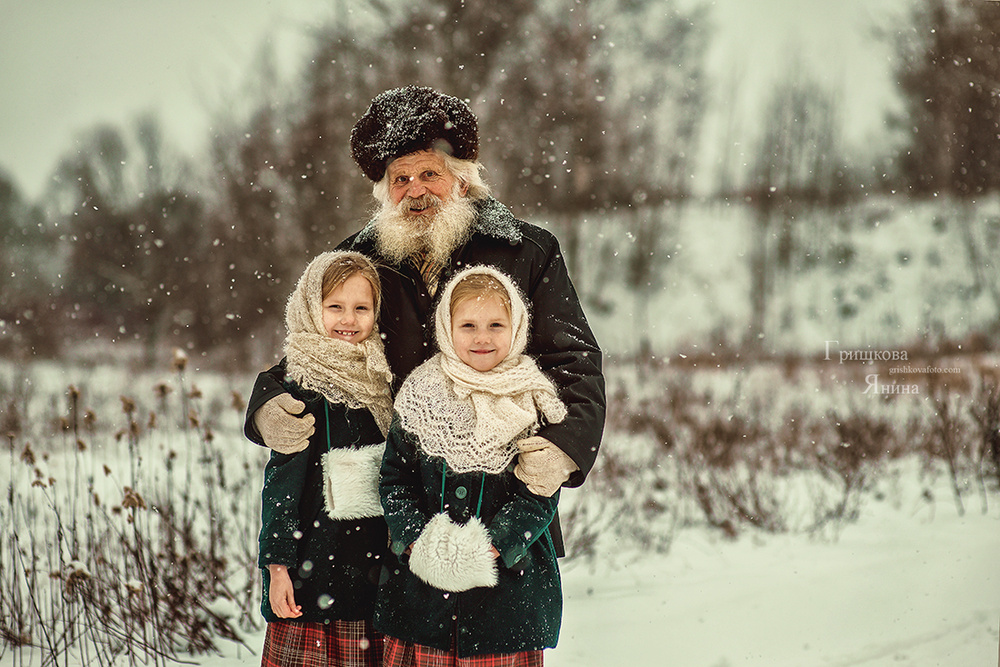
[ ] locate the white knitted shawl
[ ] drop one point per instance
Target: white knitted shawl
(473, 419)
(355, 375)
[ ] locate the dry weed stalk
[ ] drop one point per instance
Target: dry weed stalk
(139, 580)
(726, 457)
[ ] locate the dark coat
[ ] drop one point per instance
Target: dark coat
(334, 565)
(523, 611)
(560, 339)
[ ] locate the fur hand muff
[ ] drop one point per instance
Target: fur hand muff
(280, 425)
(454, 557)
(351, 482)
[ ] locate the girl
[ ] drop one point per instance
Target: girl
(476, 581)
(323, 539)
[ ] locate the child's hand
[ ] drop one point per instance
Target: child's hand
(282, 426)
(282, 594)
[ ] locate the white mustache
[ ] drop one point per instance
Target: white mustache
(426, 200)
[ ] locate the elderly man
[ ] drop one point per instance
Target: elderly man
(420, 149)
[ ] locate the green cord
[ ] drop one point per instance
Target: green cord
(482, 486)
(329, 444)
(444, 469)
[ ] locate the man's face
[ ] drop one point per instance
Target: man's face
(413, 176)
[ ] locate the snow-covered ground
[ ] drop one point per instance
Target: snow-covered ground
(897, 588)
(911, 583)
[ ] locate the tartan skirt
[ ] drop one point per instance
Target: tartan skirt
(404, 654)
(334, 644)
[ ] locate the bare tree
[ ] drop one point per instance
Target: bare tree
(103, 239)
(586, 106)
(656, 105)
(133, 229)
(331, 199)
(26, 271)
(949, 74)
(798, 170)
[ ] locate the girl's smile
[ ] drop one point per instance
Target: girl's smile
(349, 310)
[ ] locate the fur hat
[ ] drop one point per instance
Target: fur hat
(405, 120)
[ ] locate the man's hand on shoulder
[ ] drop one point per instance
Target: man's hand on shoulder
(282, 425)
(542, 466)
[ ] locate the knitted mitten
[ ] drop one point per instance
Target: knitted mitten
(542, 466)
(279, 425)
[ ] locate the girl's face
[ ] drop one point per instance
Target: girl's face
(481, 332)
(349, 310)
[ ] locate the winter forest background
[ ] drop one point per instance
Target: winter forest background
(593, 117)
(799, 325)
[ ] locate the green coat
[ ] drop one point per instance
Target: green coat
(523, 611)
(334, 565)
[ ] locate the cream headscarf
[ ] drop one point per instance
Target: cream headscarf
(356, 375)
(470, 418)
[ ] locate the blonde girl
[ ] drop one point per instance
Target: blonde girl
(323, 537)
(475, 579)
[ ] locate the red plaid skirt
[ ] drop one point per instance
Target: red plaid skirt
(336, 644)
(404, 654)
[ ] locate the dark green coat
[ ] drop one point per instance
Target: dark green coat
(523, 611)
(334, 565)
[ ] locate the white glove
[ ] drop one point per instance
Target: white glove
(542, 466)
(279, 425)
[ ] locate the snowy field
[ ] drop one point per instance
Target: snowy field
(911, 581)
(911, 586)
(908, 586)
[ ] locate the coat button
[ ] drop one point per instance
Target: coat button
(461, 492)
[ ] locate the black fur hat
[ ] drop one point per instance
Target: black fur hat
(404, 120)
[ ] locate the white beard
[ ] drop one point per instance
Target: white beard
(401, 235)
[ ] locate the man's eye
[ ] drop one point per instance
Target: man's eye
(430, 175)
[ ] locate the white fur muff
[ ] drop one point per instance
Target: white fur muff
(350, 482)
(454, 557)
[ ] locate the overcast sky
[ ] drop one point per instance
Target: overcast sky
(66, 65)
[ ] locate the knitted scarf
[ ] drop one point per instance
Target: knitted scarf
(473, 419)
(355, 375)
